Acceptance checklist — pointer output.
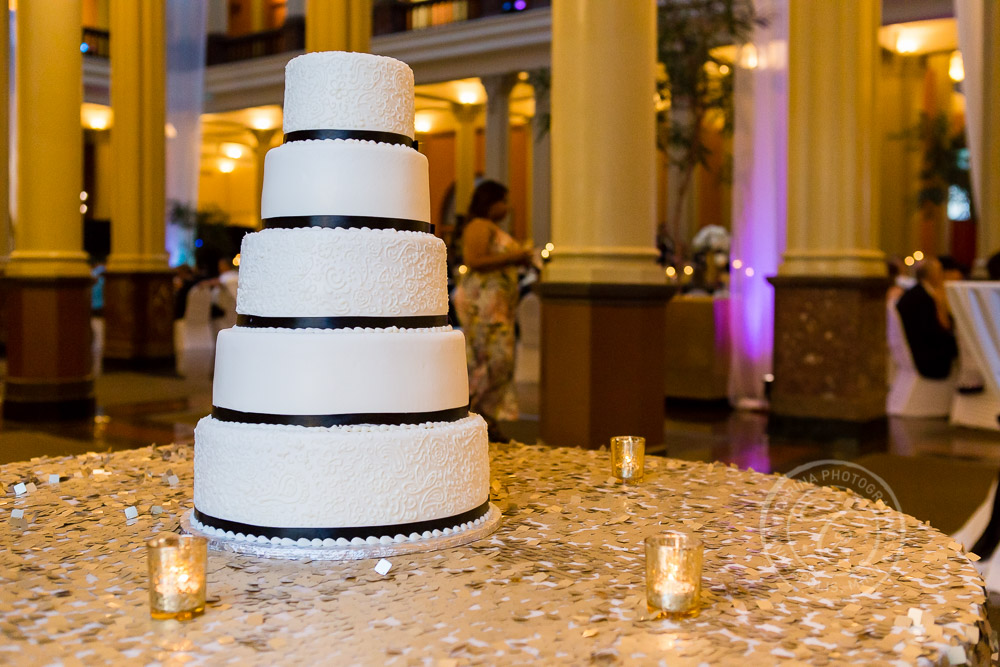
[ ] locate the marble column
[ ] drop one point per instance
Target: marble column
(6, 239)
(541, 171)
(138, 288)
(829, 347)
(988, 225)
(338, 25)
(465, 154)
(49, 368)
(498, 87)
(603, 295)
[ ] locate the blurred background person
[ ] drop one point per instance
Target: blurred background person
(485, 301)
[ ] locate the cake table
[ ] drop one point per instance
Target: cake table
(793, 573)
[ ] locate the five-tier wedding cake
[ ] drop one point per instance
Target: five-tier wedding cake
(340, 404)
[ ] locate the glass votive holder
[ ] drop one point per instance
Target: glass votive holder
(673, 574)
(176, 576)
(628, 457)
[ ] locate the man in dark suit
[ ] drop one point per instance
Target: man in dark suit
(927, 322)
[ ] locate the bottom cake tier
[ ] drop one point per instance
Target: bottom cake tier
(342, 482)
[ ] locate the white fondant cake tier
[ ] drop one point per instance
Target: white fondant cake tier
(345, 177)
(318, 272)
(348, 91)
(325, 372)
(292, 476)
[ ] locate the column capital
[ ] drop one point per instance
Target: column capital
(466, 113)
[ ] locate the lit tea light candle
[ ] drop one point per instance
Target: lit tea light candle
(628, 457)
(673, 574)
(176, 576)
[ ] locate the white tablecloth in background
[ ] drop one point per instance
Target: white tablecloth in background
(976, 308)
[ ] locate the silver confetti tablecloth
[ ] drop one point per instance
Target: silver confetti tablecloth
(793, 574)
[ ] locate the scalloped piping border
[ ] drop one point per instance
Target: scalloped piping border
(339, 543)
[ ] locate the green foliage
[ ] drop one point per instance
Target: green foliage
(941, 166)
(697, 80)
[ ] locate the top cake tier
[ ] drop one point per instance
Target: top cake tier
(337, 90)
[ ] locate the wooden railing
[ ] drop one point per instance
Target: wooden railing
(222, 49)
(96, 43)
(391, 16)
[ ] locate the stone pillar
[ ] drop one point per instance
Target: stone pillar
(49, 369)
(138, 287)
(498, 89)
(541, 172)
(6, 240)
(465, 155)
(338, 25)
(603, 294)
(829, 346)
(988, 224)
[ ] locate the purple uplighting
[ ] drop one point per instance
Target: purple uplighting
(759, 207)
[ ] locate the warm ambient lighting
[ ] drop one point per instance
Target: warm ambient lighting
(522, 76)
(918, 255)
(749, 272)
(170, 130)
(688, 270)
(550, 247)
(462, 270)
(233, 151)
(227, 166)
(671, 272)
(422, 123)
(83, 208)
(84, 195)
(908, 261)
(468, 97)
(906, 43)
(723, 69)
(956, 67)
(95, 116)
(263, 119)
(737, 264)
(545, 253)
(749, 56)
(236, 260)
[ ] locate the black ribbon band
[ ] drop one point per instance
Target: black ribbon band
(365, 135)
(347, 222)
(346, 533)
(347, 322)
(354, 419)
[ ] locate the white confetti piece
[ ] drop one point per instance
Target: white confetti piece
(20, 489)
(17, 514)
(383, 567)
(956, 655)
(173, 480)
(131, 512)
(915, 615)
(53, 479)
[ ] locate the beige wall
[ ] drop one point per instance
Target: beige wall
(233, 192)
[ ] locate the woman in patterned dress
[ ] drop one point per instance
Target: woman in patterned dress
(485, 301)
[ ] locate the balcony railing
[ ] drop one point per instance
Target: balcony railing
(391, 16)
(96, 43)
(222, 49)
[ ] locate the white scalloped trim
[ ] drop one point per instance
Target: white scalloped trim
(360, 428)
(355, 330)
(341, 542)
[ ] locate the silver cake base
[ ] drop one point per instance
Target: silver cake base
(349, 552)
